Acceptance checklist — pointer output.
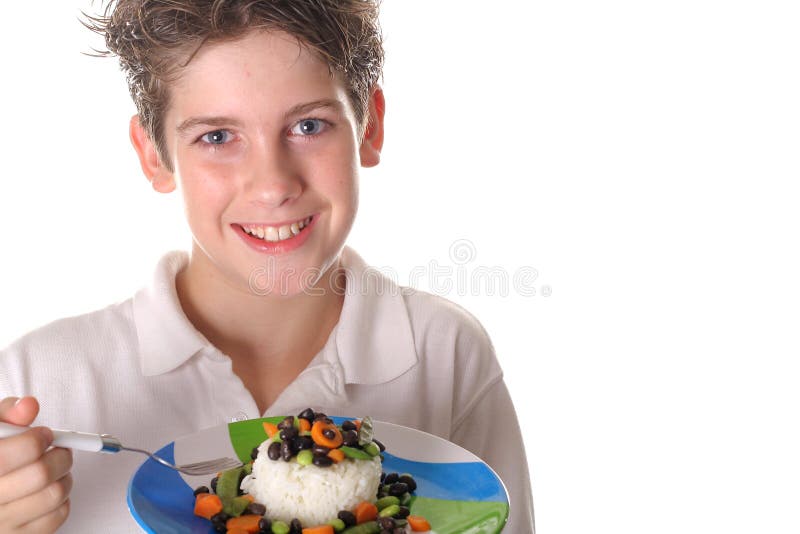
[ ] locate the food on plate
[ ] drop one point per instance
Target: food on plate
(311, 476)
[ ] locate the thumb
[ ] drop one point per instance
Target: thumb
(20, 412)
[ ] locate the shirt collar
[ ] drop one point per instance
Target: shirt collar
(373, 339)
(166, 337)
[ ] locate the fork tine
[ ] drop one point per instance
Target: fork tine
(209, 466)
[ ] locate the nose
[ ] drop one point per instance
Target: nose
(274, 179)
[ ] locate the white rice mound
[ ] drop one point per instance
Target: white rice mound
(312, 494)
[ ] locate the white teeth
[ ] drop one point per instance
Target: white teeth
(271, 234)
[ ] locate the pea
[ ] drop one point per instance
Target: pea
(372, 449)
(389, 511)
(337, 524)
(385, 502)
(305, 457)
(279, 527)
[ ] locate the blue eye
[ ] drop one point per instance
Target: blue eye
(217, 137)
(308, 127)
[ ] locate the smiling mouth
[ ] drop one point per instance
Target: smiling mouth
(275, 234)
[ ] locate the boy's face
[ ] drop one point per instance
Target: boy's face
(263, 140)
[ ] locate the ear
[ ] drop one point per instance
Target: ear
(161, 178)
(372, 143)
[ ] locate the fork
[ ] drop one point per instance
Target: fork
(109, 444)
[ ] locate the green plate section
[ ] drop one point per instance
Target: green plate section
(248, 434)
(461, 517)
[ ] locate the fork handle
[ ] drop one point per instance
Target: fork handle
(69, 439)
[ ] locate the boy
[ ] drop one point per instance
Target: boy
(260, 114)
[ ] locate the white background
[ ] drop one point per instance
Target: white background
(641, 156)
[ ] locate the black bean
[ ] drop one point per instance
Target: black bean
(398, 489)
(409, 481)
(213, 484)
(254, 453)
(295, 527)
(329, 433)
(201, 489)
(403, 513)
(383, 476)
(302, 443)
(386, 522)
(399, 530)
(348, 425)
(379, 444)
(286, 451)
(319, 450)
(288, 433)
(319, 415)
(391, 478)
(347, 517)
(322, 461)
(255, 508)
(274, 450)
(288, 422)
(308, 414)
(265, 524)
(218, 521)
(350, 438)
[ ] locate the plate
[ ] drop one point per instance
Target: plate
(456, 491)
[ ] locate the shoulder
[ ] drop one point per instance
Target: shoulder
(440, 326)
(66, 340)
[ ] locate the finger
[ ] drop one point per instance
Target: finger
(23, 449)
(48, 523)
(31, 478)
(32, 509)
(20, 412)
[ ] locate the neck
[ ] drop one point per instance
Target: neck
(259, 332)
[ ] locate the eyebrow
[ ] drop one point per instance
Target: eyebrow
(220, 121)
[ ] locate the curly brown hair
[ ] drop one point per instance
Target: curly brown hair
(154, 39)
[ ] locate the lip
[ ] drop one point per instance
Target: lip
(276, 247)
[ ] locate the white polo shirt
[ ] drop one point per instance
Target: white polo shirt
(140, 371)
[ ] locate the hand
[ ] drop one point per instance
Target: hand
(34, 482)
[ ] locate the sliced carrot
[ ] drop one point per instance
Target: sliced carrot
(321, 529)
(357, 422)
(270, 429)
(366, 511)
(207, 505)
(336, 455)
(303, 425)
(318, 430)
(418, 523)
(247, 523)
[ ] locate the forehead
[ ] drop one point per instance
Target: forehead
(261, 70)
